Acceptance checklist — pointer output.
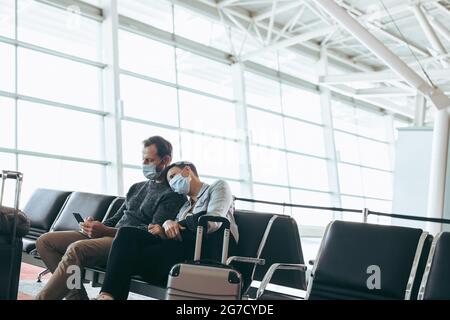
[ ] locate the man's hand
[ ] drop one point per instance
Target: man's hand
(173, 230)
(94, 229)
(157, 230)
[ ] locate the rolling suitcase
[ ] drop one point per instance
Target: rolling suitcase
(200, 280)
(10, 244)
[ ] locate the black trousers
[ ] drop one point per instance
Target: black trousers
(138, 252)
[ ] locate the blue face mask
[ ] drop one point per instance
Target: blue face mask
(149, 171)
(181, 184)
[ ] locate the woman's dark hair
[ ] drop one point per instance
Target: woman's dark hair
(163, 147)
(181, 165)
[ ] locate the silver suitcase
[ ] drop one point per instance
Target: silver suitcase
(201, 280)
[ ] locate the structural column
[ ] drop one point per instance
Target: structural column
(419, 115)
(245, 168)
(439, 157)
(111, 99)
(439, 152)
(330, 146)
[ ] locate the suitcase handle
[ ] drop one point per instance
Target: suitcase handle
(11, 175)
(203, 221)
(18, 176)
(202, 224)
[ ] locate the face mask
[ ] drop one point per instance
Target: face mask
(180, 184)
(149, 171)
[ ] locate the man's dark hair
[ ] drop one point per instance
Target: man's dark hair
(181, 165)
(163, 147)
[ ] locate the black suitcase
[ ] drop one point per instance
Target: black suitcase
(10, 245)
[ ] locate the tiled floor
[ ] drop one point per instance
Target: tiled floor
(28, 274)
(28, 287)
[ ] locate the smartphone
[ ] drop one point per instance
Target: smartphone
(78, 217)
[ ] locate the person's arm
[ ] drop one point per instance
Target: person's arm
(157, 230)
(111, 222)
(220, 200)
(96, 229)
(191, 221)
(168, 207)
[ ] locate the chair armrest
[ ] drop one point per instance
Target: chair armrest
(269, 274)
(257, 261)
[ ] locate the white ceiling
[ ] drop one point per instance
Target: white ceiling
(299, 29)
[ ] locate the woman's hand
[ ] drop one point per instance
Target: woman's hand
(173, 230)
(157, 230)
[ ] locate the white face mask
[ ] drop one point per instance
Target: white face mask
(181, 184)
(149, 171)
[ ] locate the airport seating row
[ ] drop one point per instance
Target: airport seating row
(355, 260)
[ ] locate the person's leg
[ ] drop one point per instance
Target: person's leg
(214, 245)
(158, 261)
(124, 258)
(51, 248)
(90, 252)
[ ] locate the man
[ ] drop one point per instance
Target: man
(147, 204)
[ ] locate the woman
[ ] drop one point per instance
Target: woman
(152, 254)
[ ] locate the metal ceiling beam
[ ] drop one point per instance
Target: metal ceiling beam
(335, 57)
(384, 91)
(225, 3)
(379, 92)
(267, 14)
(437, 97)
(311, 50)
(383, 103)
(381, 14)
(272, 19)
(289, 42)
(86, 10)
(291, 23)
(358, 14)
(440, 28)
(400, 40)
(442, 9)
(258, 34)
(308, 50)
(379, 76)
(436, 44)
(318, 13)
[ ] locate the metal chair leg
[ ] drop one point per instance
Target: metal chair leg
(40, 275)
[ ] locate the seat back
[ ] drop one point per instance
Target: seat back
(436, 280)
(281, 245)
(354, 256)
(113, 207)
(42, 209)
(252, 226)
(87, 204)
